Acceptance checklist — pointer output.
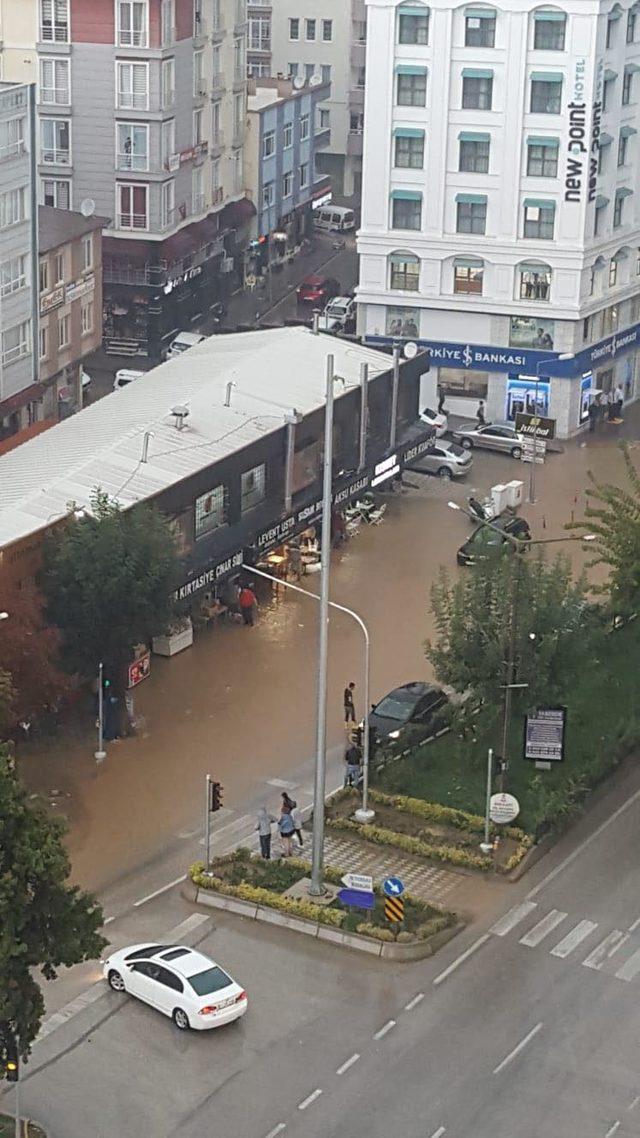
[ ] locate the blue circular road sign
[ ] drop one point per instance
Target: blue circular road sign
(393, 887)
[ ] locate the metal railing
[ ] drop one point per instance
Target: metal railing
(12, 150)
(132, 37)
(56, 32)
(133, 100)
(128, 220)
(56, 155)
(55, 96)
(131, 161)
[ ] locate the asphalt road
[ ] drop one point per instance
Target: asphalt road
(525, 1025)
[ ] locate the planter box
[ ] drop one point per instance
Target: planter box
(174, 642)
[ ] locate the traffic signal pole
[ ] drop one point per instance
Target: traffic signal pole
(100, 754)
(214, 803)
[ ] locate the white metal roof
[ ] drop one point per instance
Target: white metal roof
(274, 371)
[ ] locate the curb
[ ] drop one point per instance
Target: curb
(531, 858)
(402, 953)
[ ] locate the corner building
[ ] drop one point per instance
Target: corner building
(500, 219)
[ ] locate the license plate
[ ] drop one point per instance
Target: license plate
(226, 1003)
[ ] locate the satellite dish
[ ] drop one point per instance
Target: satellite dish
(410, 350)
(315, 80)
(87, 207)
(298, 82)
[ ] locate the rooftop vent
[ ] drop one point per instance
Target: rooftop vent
(180, 413)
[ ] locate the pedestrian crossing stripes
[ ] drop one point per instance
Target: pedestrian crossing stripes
(603, 957)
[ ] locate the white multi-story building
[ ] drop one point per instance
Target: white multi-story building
(501, 212)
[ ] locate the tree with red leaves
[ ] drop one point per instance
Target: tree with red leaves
(29, 650)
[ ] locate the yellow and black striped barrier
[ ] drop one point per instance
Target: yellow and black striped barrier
(394, 909)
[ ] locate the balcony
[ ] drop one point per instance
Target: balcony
(129, 161)
(358, 55)
(356, 99)
(354, 143)
(198, 203)
(237, 138)
(200, 27)
(200, 89)
(124, 272)
(217, 29)
(216, 142)
(217, 84)
(132, 221)
(56, 156)
(12, 150)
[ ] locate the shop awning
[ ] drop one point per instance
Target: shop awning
(474, 136)
(481, 13)
(533, 267)
(404, 259)
(468, 262)
(472, 199)
(624, 192)
(413, 10)
(539, 140)
(21, 398)
(632, 68)
(239, 213)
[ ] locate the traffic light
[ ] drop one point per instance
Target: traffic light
(216, 796)
(9, 1059)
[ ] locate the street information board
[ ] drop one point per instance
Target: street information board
(544, 734)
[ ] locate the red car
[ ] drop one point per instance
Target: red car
(316, 289)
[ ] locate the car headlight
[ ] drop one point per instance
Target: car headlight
(394, 734)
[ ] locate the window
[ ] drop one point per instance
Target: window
(304, 174)
(54, 82)
(467, 276)
(294, 29)
(631, 26)
(468, 384)
(217, 79)
(409, 149)
(58, 269)
(612, 23)
(54, 141)
(618, 207)
(287, 185)
(132, 23)
(16, 342)
(13, 275)
(477, 91)
(325, 72)
(132, 142)
(406, 210)
(304, 127)
(43, 276)
(603, 152)
(133, 86)
(479, 28)
(471, 213)
(599, 217)
(613, 271)
(324, 118)
(310, 30)
(215, 177)
(87, 252)
(86, 317)
(268, 143)
(167, 22)
(197, 126)
(546, 95)
(44, 342)
(627, 84)
(327, 30)
(309, 70)
(56, 192)
(404, 272)
(623, 143)
(197, 189)
(542, 158)
(253, 487)
(292, 70)
(474, 153)
(12, 207)
(607, 88)
(167, 204)
(288, 135)
(268, 195)
(413, 26)
(168, 141)
(238, 172)
(210, 511)
(169, 82)
(412, 89)
(54, 21)
(534, 282)
(260, 33)
(539, 219)
(549, 31)
(132, 206)
(238, 114)
(11, 138)
(64, 331)
(199, 85)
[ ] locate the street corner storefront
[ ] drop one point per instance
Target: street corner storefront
(529, 380)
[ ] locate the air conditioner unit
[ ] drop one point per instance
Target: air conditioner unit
(226, 265)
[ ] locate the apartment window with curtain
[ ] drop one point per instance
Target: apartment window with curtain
(627, 84)
(479, 27)
(253, 487)
(539, 219)
(406, 209)
(54, 21)
(86, 317)
(404, 272)
(64, 330)
(542, 157)
(197, 126)
(55, 86)
(55, 141)
(197, 190)
(56, 192)
(325, 72)
(132, 18)
(310, 30)
(132, 206)
(16, 342)
(413, 24)
(474, 153)
(304, 127)
(287, 136)
(468, 274)
(409, 148)
(327, 30)
(133, 86)
(199, 85)
(287, 184)
(471, 213)
(168, 81)
(132, 146)
(168, 141)
(411, 89)
(623, 143)
(304, 174)
(13, 207)
(168, 204)
(477, 89)
(549, 31)
(167, 22)
(631, 26)
(12, 138)
(87, 252)
(294, 29)
(546, 93)
(13, 275)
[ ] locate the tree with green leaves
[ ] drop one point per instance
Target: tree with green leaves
(108, 580)
(7, 703)
(612, 515)
(509, 607)
(44, 921)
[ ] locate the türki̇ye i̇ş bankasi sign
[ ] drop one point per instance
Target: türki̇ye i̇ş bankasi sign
(582, 147)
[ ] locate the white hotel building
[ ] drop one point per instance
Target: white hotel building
(501, 205)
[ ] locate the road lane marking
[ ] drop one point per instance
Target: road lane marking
(634, 926)
(108, 920)
(604, 950)
(349, 1063)
(612, 1130)
(188, 925)
(635, 1102)
(583, 845)
(414, 1002)
(516, 1051)
(383, 1030)
(630, 968)
(159, 892)
(543, 928)
(512, 918)
(309, 1099)
(581, 931)
(439, 1132)
(461, 959)
(277, 1130)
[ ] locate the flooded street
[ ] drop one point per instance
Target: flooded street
(240, 704)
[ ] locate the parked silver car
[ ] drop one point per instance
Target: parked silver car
(445, 459)
(492, 436)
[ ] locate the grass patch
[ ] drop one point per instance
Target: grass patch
(251, 878)
(603, 727)
(30, 1130)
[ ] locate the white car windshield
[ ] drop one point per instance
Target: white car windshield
(211, 980)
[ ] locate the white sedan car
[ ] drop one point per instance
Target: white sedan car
(180, 982)
(436, 420)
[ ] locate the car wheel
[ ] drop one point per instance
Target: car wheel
(516, 452)
(466, 443)
(181, 1019)
(444, 473)
(115, 981)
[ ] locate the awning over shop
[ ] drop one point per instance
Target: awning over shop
(238, 213)
(21, 398)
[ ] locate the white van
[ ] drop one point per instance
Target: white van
(335, 217)
(182, 343)
(124, 377)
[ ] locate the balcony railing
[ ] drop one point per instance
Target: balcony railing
(132, 161)
(128, 220)
(237, 137)
(168, 99)
(132, 37)
(217, 81)
(55, 96)
(198, 203)
(133, 100)
(12, 150)
(56, 155)
(261, 43)
(217, 140)
(57, 32)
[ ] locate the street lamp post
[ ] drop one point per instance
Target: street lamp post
(363, 813)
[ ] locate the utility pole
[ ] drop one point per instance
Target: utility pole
(510, 663)
(100, 754)
(394, 396)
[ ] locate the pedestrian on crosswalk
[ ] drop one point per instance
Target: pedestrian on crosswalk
(264, 824)
(286, 829)
(296, 816)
